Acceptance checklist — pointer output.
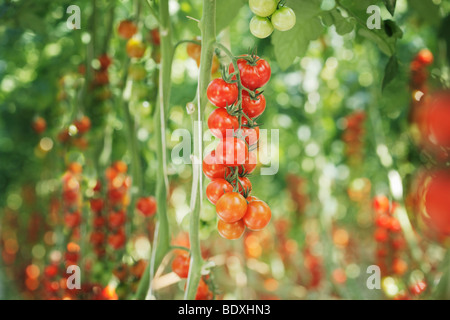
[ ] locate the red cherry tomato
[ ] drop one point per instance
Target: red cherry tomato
(83, 125)
(72, 219)
(127, 29)
(117, 240)
(222, 94)
(381, 204)
(231, 207)
(222, 124)
(253, 108)
(231, 231)
(251, 134)
(180, 265)
(203, 292)
(116, 219)
(253, 76)
(217, 188)
(250, 164)
(437, 201)
(258, 215)
(425, 57)
(146, 206)
(212, 168)
(39, 125)
(97, 204)
(231, 152)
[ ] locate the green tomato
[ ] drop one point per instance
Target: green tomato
(283, 19)
(261, 27)
(263, 8)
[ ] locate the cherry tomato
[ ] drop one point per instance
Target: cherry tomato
(155, 37)
(137, 72)
(105, 61)
(381, 204)
(83, 125)
(251, 134)
(116, 219)
(39, 125)
(120, 166)
(117, 240)
(231, 207)
(250, 164)
(381, 235)
(425, 57)
(203, 292)
(253, 108)
(231, 231)
(258, 215)
(245, 186)
(135, 48)
(180, 265)
(97, 238)
(283, 19)
(222, 124)
(261, 27)
(222, 94)
(127, 29)
(437, 202)
(438, 117)
(72, 219)
(217, 188)
(231, 152)
(99, 222)
(253, 76)
(194, 50)
(97, 204)
(212, 168)
(263, 8)
(146, 206)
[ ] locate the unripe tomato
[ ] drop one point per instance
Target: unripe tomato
(231, 152)
(212, 168)
(222, 124)
(135, 48)
(263, 8)
(253, 108)
(231, 231)
(283, 19)
(261, 27)
(222, 94)
(127, 29)
(217, 188)
(137, 72)
(147, 206)
(231, 207)
(258, 215)
(180, 265)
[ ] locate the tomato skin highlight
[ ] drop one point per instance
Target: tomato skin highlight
(258, 215)
(222, 94)
(253, 77)
(231, 152)
(231, 231)
(253, 108)
(217, 188)
(231, 207)
(222, 124)
(212, 168)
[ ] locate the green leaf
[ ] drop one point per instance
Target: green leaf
(334, 17)
(293, 43)
(390, 5)
(226, 11)
(385, 44)
(444, 34)
(390, 72)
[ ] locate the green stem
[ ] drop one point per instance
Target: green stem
(208, 32)
(161, 243)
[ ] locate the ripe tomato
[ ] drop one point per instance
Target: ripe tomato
(222, 124)
(263, 8)
(98, 222)
(116, 219)
(251, 134)
(83, 125)
(51, 270)
(72, 219)
(105, 61)
(245, 186)
(261, 27)
(381, 204)
(222, 94)
(146, 206)
(258, 215)
(155, 37)
(194, 50)
(231, 207)
(135, 48)
(203, 292)
(39, 125)
(231, 231)
(217, 188)
(381, 235)
(250, 164)
(231, 152)
(97, 238)
(212, 168)
(253, 108)
(438, 117)
(253, 76)
(283, 19)
(120, 166)
(437, 202)
(117, 240)
(127, 29)
(180, 265)
(137, 72)
(97, 204)
(425, 57)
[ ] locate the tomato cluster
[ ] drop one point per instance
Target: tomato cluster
(75, 133)
(135, 48)
(234, 123)
(270, 15)
(389, 237)
(353, 135)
